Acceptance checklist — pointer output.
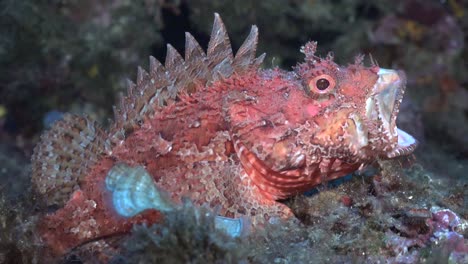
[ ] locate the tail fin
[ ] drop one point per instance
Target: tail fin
(64, 156)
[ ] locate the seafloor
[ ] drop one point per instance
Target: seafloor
(74, 56)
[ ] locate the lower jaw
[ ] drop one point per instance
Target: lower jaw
(405, 146)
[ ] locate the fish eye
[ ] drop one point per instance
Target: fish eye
(322, 84)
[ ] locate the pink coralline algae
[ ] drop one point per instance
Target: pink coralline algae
(440, 227)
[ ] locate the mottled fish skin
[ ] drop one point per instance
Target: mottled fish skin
(215, 127)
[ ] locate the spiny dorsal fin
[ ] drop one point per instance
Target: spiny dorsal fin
(258, 61)
(193, 51)
(219, 46)
(157, 70)
(195, 58)
(173, 59)
(164, 84)
(246, 53)
(142, 75)
(131, 86)
(127, 114)
(64, 156)
(175, 69)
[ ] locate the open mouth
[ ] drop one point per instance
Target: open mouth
(383, 106)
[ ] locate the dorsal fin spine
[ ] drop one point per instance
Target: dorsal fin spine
(142, 76)
(219, 46)
(246, 53)
(174, 60)
(130, 88)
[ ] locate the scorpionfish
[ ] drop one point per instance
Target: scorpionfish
(216, 128)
